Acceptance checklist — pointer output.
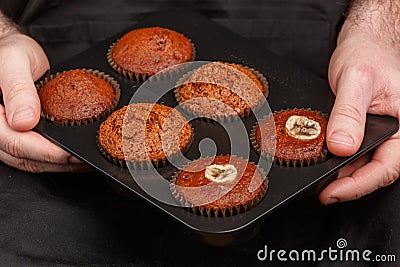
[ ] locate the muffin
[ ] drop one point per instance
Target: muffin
(77, 97)
(223, 186)
(142, 134)
(299, 140)
(143, 52)
(221, 91)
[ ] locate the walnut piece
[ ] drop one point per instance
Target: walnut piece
(301, 127)
(221, 173)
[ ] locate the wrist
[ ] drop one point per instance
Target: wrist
(7, 26)
(375, 21)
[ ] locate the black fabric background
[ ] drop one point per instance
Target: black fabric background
(78, 219)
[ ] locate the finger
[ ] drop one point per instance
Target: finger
(345, 130)
(31, 145)
(351, 167)
(19, 93)
(38, 167)
(382, 170)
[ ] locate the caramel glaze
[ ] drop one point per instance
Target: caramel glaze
(288, 147)
(245, 188)
(110, 135)
(76, 95)
(150, 50)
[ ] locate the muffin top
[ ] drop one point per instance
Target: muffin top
(221, 89)
(143, 132)
(76, 95)
(150, 50)
(300, 134)
(222, 182)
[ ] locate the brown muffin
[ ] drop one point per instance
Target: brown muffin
(300, 137)
(222, 90)
(223, 186)
(144, 133)
(77, 97)
(143, 52)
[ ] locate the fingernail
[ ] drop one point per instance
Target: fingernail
(73, 159)
(331, 200)
(23, 113)
(342, 138)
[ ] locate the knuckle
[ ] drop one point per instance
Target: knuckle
(359, 190)
(56, 155)
(31, 166)
(14, 146)
(350, 111)
(366, 74)
(390, 176)
(15, 91)
(389, 173)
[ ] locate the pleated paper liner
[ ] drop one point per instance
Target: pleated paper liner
(285, 162)
(209, 115)
(71, 122)
(144, 164)
(141, 165)
(232, 210)
(135, 76)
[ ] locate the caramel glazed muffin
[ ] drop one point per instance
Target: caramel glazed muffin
(222, 90)
(143, 52)
(77, 97)
(300, 137)
(142, 134)
(223, 186)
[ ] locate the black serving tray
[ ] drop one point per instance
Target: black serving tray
(290, 87)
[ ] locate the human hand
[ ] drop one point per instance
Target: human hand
(364, 73)
(22, 61)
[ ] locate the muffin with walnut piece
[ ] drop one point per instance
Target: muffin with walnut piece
(220, 186)
(300, 137)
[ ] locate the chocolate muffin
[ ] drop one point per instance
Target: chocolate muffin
(223, 186)
(143, 52)
(142, 134)
(300, 137)
(77, 97)
(221, 91)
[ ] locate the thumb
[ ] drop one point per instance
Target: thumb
(345, 130)
(20, 97)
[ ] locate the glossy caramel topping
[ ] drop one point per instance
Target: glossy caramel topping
(196, 188)
(289, 147)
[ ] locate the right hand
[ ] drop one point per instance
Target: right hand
(23, 61)
(364, 73)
